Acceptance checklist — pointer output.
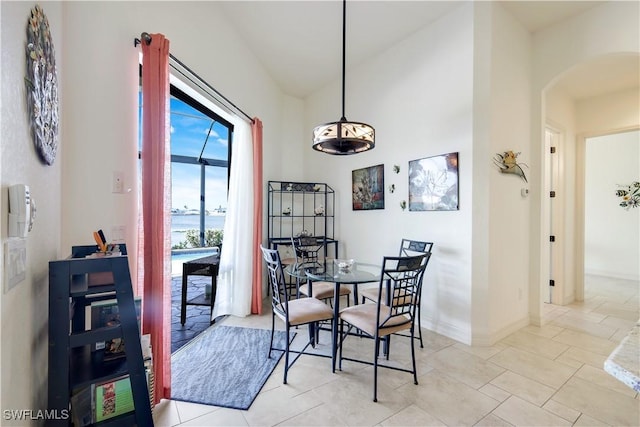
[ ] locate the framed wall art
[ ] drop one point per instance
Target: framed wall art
(42, 86)
(433, 183)
(368, 188)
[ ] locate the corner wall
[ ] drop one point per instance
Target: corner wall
(24, 308)
(506, 300)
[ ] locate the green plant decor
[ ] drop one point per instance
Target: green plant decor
(192, 239)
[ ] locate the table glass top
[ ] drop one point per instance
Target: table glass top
(329, 272)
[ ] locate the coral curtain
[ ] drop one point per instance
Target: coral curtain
(256, 296)
(235, 274)
(154, 275)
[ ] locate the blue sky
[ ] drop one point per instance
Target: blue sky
(189, 129)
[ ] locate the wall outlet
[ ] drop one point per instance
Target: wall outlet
(118, 233)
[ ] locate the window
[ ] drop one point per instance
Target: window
(200, 159)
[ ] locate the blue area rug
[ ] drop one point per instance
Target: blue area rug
(225, 366)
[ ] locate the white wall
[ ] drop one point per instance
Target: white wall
(500, 214)
(427, 112)
(612, 234)
(611, 111)
(508, 251)
(24, 308)
(466, 89)
(609, 114)
(98, 75)
(102, 81)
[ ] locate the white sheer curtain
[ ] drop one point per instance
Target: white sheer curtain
(233, 295)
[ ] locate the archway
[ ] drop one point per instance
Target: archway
(596, 97)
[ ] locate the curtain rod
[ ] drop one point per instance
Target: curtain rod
(147, 39)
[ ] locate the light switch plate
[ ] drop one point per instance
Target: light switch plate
(117, 185)
(15, 263)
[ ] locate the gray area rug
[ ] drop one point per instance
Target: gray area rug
(225, 366)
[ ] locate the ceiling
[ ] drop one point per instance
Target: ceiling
(300, 42)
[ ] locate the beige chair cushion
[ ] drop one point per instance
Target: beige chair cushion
(306, 310)
(288, 261)
(363, 317)
(372, 294)
(323, 290)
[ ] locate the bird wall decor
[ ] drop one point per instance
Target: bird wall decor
(507, 162)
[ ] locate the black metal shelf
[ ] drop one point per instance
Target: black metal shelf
(88, 367)
(302, 199)
(72, 363)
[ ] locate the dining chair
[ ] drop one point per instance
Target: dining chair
(293, 312)
(407, 248)
(402, 277)
(307, 251)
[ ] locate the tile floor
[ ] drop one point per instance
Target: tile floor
(538, 376)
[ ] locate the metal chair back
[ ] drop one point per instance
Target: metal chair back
(414, 247)
(307, 249)
(279, 296)
(402, 279)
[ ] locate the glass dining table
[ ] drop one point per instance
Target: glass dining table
(329, 271)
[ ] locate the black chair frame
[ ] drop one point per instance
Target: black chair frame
(410, 247)
(280, 307)
(402, 277)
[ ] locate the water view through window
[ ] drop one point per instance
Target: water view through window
(199, 173)
(200, 159)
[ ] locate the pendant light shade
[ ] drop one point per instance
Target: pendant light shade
(344, 136)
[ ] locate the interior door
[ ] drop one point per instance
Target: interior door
(553, 178)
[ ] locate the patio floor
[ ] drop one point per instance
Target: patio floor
(198, 317)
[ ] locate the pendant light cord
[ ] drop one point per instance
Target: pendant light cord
(344, 37)
(344, 137)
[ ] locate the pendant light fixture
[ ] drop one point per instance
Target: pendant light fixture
(344, 136)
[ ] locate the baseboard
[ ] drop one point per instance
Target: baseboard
(478, 339)
(489, 339)
(447, 329)
(612, 274)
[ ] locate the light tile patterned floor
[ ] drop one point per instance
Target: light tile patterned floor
(548, 376)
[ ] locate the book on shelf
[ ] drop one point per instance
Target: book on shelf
(106, 313)
(103, 400)
(81, 411)
(112, 398)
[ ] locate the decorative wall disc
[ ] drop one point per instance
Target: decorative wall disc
(42, 86)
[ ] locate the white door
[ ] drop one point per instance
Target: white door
(552, 186)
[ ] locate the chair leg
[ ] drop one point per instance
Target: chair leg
(420, 328)
(286, 356)
(376, 351)
(355, 294)
(273, 327)
(387, 346)
(413, 356)
(339, 340)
